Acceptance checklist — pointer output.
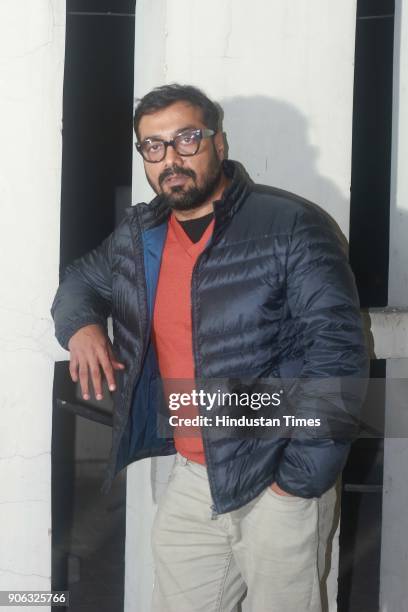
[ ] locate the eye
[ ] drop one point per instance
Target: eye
(152, 146)
(187, 138)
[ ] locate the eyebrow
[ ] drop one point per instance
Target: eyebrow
(174, 134)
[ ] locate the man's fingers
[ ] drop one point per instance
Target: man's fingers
(107, 367)
(83, 380)
(73, 369)
(96, 377)
(116, 365)
(276, 488)
(91, 353)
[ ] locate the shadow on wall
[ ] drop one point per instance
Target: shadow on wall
(271, 139)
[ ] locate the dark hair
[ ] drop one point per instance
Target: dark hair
(164, 96)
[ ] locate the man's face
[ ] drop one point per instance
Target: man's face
(185, 182)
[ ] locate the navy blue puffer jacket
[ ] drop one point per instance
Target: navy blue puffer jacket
(272, 296)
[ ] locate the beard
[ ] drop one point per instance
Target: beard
(183, 199)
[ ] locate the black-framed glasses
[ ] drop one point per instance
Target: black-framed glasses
(186, 144)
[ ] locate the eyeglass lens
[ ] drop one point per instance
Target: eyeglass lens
(186, 143)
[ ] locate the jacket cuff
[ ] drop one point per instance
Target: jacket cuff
(64, 335)
(309, 469)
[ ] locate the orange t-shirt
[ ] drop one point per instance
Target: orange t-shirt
(172, 326)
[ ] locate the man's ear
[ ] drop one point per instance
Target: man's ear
(219, 145)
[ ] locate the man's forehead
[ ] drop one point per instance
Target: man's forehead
(170, 120)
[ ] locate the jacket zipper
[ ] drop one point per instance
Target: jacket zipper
(145, 301)
(213, 507)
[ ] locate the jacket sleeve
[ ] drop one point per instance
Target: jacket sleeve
(84, 294)
(323, 302)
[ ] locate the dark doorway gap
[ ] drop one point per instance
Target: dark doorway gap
(360, 533)
(97, 124)
(94, 14)
(371, 153)
(101, 6)
(370, 8)
(89, 528)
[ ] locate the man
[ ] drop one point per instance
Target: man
(219, 279)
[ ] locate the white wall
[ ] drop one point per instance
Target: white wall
(283, 72)
(394, 544)
(32, 34)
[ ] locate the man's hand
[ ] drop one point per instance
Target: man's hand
(91, 352)
(276, 488)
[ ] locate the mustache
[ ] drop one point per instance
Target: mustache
(176, 170)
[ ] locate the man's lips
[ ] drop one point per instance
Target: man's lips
(175, 177)
(176, 180)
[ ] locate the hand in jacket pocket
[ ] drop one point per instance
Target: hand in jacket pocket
(276, 488)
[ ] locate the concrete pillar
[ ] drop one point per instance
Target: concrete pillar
(283, 72)
(394, 559)
(398, 269)
(32, 34)
(394, 531)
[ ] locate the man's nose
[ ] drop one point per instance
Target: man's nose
(172, 156)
